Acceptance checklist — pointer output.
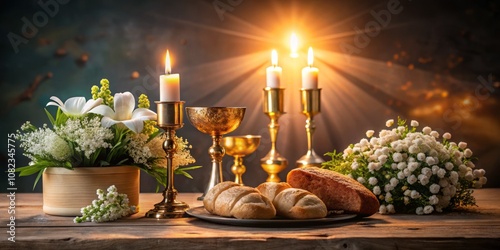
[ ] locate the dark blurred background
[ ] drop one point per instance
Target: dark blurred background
(433, 61)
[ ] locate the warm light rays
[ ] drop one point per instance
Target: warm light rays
(357, 93)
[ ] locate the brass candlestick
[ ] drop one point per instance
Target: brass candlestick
(169, 119)
(311, 105)
(273, 162)
(215, 121)
(239, 147)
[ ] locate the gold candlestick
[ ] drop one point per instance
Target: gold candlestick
(169, 119)
(311, 105)
(273, 162)
(216, 122)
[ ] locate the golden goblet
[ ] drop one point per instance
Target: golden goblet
(215, 121)
(239, 147)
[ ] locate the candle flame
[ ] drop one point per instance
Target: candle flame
(310, 57)
(168, 68)
(294, 45)
(274, 58)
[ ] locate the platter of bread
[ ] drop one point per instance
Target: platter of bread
(310, 196)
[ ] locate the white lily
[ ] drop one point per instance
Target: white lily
(75, 106)
(124, 113)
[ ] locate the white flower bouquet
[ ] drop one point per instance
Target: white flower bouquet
(411, 171)
(104, 131)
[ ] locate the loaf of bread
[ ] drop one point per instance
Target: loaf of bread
(293, 203)
(337, 191)
(229, 199)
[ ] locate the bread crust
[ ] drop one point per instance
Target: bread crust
(337, 191)
(293, 203)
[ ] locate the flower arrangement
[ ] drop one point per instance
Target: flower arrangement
(103, 131)
(411, 171)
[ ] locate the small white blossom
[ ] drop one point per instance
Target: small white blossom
(433, 200)
(424, 180)
(421, 156)
(369, 133)
(376, 190)
(419, 210)
(372, 181)
(414, 123)
(470, 164)
(469, 176)
(430, 160)
(412, 166)
(402, 165)
(447, 136)
(435, 134)
(462, 145)
(391, 209)
(428, 209)
(389, 123)
(382, 209)
(426, 130)
(411, 179)
(388, 197)
(401, 175)
(361, 180)
(382, 159)
(441, 173)
(449, 166)
(413, 149)
(434, 188)
(394, 182)
(397, 157)
(414, 194)
(467, 153)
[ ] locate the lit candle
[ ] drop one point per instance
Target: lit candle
(310, 73)
(273, 74)
(169, 84)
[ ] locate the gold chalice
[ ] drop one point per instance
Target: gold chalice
(239, 147)
(215, 121)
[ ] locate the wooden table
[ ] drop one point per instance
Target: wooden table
(476, 228)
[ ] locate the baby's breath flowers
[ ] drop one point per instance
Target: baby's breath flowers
(411, 171)
(104, 131)
(109, 206)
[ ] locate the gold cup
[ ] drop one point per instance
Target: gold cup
(170, 119)
(215, 121)
(311, 105)
(273, 162)
(239, 147)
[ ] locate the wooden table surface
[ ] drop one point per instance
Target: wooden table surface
(475, 228)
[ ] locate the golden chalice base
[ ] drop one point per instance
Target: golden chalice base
(162, 210)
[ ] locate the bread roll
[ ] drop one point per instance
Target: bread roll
(229, 199)
(293, 203)
(337, 191)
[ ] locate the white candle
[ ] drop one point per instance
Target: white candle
(273, 73)
(169, 84)
(310, 73)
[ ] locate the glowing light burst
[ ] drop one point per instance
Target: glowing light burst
(357, 93)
